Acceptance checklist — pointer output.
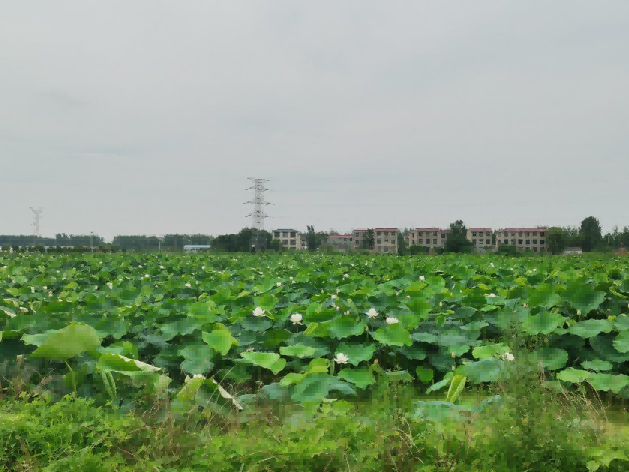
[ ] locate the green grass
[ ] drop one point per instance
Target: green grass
(535, 429)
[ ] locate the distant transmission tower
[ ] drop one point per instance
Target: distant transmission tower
(258, 215)
(36, 224)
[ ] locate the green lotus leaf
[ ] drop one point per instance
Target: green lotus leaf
(357, 353)
(414, 352)
(425, 374)
(597, 364)
(68, 342)
(583, 297)
(346, 326)
(220, 340)
(621, 323)
(552, 358)
(573, 375)
(490, 351)
(393, 335)
(621, 343)
(267, 360)
(298, 350)
(542, 323)
(427, 338)
(361, 377)
(486, 370)
(590, 328)
(605, 382)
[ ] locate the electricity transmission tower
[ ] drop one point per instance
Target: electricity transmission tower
(36, 224)
(258, 215)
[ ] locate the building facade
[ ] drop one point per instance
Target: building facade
(481, 239)
(386, 240)
(341, 242)
(524, 239)
(291, 238)
(427, 237)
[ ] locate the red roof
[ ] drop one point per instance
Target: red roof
(429, 229)
(479, 229)
(386, 229)
(522, 229)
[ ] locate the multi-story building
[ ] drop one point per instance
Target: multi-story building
(524, 239)
(386, 240)
(359, 236)
(340, 242)
(427, 237)
(291, 238)
(480, 238)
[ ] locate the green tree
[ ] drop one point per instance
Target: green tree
(402, 245)
(311, 239)
(557, 239)
(457, 239)
(370, 239)
(590, 233)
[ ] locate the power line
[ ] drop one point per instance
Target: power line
(258, 215)
(36, 224)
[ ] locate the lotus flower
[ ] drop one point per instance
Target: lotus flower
(296, 318)
(258, 312)
(392, 320)
(491, 295)
(279, 284)
(422, 278)
(372, 313)
(507, 356)
(341, 358)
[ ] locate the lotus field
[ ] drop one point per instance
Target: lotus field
(309, 327)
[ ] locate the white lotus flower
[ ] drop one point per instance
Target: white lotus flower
(492, 264)
(422, 278)
(291, 278)
(110, 285)
(341, 358)
(202, 267)
(279, 284)
(491, 295)
(45, 287)
(32, 289)
(49, 294)
(23, 310)
(161, 267)
(334, 297)
(296, 318)
(392, 320)
(188, 285)
(258, 312)
(345, 276)
(372, 313)
(507, 356)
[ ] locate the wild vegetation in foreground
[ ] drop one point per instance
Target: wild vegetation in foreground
(313, 363)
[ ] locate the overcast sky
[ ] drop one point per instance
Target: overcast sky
(147, 117)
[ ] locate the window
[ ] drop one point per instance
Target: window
(285, 234)
(535, 241)
(379, 241)
(379, 248)
(293, 242)
(541, 233)
(434, 241)
(506, 234)
(519, 241)
(357, 235)
(488, 241)
(473, 233)
(421, 233)
(513, 241)
(487, 233)
(443, 235)
(379, 233)
(285, 242)
(513, 234)
(541, 241)
(421, 241)
(520, 234)
(528, 241)
(292, 234)
(534, 233)
(276, 234)
(534, 249)
(506, 241)
(526, 233)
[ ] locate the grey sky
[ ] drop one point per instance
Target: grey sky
(147, 117)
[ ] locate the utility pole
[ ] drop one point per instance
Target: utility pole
(258, 215)
(92, 241)
(36, 224)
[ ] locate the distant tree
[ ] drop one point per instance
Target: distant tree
(370, 239)
(275, 245)
(402, 245)
(557, 239)
(590, 233)
(311, 239)
(457, 239)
